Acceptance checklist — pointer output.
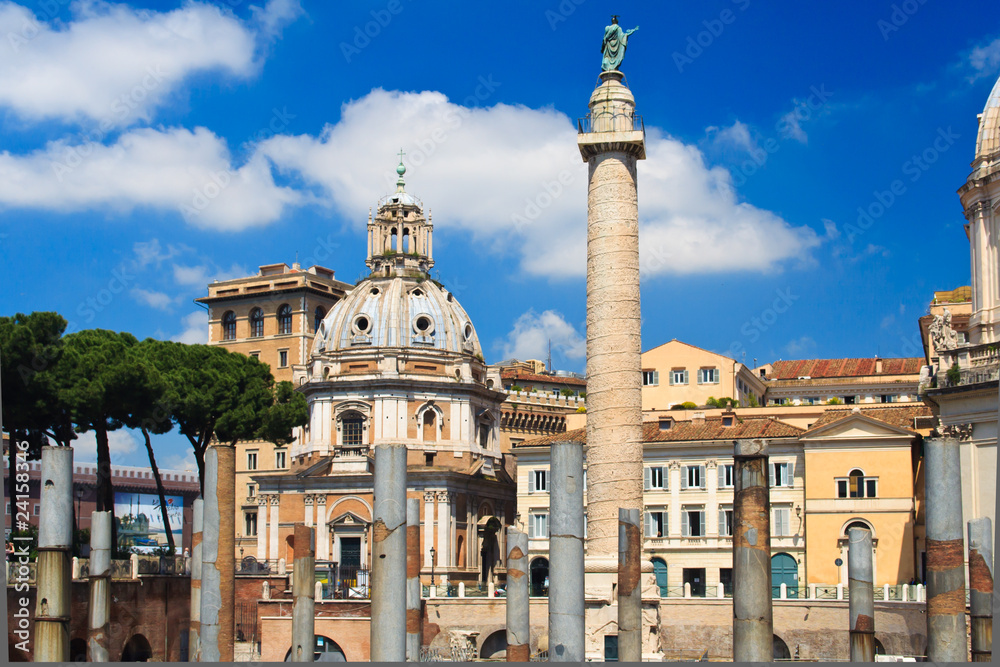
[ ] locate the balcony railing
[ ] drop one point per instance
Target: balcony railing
(610, 122)
(976, 364)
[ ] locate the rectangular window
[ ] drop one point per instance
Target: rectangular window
(538, 526)
(693, 477)
(655, 478)
(656, 523)
(842, 488)
(871, 487)
(282, 358)
(782, 474)
(889, 398)
(279, 459)
(780, 526)
(252, 460)
(708, 376)
(251, 524)
(650, 378)
(37, 509)
(678, 376)
(353, 428)
(726, 522)
(725, 475)
(693, 523)
(538, 481)
(251, 490)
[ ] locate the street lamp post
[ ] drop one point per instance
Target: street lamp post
(432, 565)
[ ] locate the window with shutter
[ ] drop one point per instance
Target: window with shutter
(771, 474)
(665, 477)
(684, 478)
(647, 474)
(531, 482)
(790, 474)
(701, 477)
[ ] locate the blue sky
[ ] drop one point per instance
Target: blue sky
(147, 148)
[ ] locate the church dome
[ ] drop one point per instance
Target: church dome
(395, 312)
(988, 141)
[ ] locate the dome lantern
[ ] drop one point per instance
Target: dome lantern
(400, 238)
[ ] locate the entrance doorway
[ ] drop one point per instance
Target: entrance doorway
(660, 570)
(726, 579)
(784, 570)
(539, 569)
(696, 577)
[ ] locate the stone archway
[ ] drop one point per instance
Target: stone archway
(495, 646)
(137, 649)
(780, 649)
(78, 650)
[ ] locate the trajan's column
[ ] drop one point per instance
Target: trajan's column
(611, 140)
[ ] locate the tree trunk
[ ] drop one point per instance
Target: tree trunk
(159, 490)
(105, 490)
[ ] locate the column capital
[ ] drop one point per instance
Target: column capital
(320, 498)
(274, 499)
(262, 500)
(310, 498)
(445, 496)
(674, 465)
(711, 463)
(429, 496)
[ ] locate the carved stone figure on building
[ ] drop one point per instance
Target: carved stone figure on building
(944, 337)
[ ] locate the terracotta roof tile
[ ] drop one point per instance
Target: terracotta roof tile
(837, 368)
(899, 416)
(690, 431)
(552, 379)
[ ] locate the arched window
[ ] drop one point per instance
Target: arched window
(284, 319)
(318, 316)
(861, 486)
(229, 326)
(325, 650)
(256, 323)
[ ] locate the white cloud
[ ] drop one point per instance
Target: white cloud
(984, 60)
(195, 328)
(514, 175)
(202, 274)
(150, 252)
(799, 346)
(178, 461)
(790, 127)
(112, 64)
(152, 298)
(509, 175)
(736, 136)
(188, 171)
(121, 443)
(532, 332)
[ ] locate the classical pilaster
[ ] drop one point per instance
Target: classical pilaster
(308, 502)
(322, 528)
(712, 505)
(443, 529)
(273, 500)
(674, 472)
(428, 526)
(261, 527)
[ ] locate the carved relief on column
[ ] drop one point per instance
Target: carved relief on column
(962, 432)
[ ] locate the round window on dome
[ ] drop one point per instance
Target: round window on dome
(362, 324)
(374, 291)
(468, 331)
(418, 292)
(423, 325)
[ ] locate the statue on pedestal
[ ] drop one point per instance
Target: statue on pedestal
(613, 47)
